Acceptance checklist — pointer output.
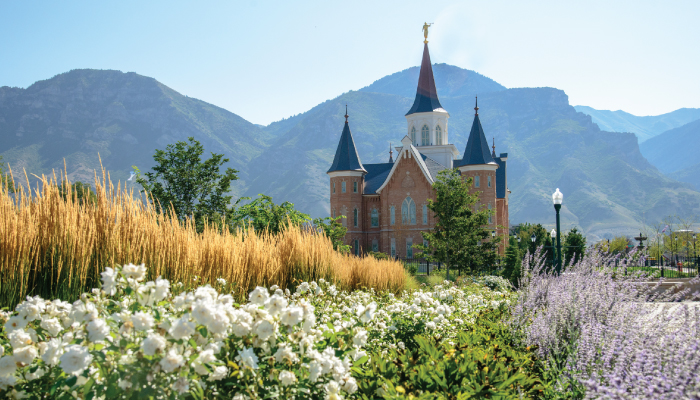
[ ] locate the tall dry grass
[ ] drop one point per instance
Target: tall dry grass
(57, 248)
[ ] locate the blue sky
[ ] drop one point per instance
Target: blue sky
(266, 60)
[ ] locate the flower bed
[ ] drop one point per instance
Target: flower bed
(135, 339)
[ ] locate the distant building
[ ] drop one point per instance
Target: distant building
(386, 205)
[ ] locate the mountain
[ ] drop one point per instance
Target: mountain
(689, 175)
(675, 149)
(644, 127)
(609, 186)
(122, 116)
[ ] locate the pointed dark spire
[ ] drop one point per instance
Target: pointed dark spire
(426, 94)
(493, 153)
(391, 154)
(477, 150)
(476, 107)
(346, 157)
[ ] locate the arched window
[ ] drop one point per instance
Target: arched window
(342, 187)
(425, 135)
(425, 214)
(438, 135)
(477, 181)
(375, 218)
(489, 212)
(333, 187)
(408, 211)
(354, 217)
(489, 181)
(357, 247)
(375, 245)
(392, 217)
(409, 247)
(413, 135)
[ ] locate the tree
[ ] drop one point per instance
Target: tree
(574, 246)
(5, 180)
(334, 230)
(512, 262)
(459, 237)
(192, 187)
(263, 214)
(542, 238)
(79, 191)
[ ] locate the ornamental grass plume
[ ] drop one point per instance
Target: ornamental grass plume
(607, 334)
(55, 246)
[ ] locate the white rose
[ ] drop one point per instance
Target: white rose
(291, 316)
(248, 358)
(259, 296)
(360, 338)
(136, 272)
(25, 355)
(172, 361)
(219, 373)
(287, 378)
(109, 281)
(153, 343)
(264, 329)
(19, 338)
(182, 329)
(142, 321)
(97, 330)
(52, 325)
(75, 359)
(204, 358)
(51, 351)
(8, 365)
(15, 322)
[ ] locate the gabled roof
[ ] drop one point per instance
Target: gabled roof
(376, 175)
(477, 150)
(434, 167)
(346, 158)
(407, 146)
(426, 94)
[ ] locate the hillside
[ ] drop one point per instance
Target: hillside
(644, 127)
(675, 149)
(122, 116)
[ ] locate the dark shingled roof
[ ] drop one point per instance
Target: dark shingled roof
(376, 175)
(433, 166)
(477, 151)
(501, 177)
(346, 158)
(426, 95)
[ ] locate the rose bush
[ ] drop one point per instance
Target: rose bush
(135, 339)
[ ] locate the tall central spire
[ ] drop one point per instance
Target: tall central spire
(426, 94)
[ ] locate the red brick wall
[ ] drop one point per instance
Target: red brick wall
(345, 203)
(487, 194)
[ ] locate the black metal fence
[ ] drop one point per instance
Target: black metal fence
(667, 267)
(424, 267)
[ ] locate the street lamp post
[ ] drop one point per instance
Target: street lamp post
(493, 237)
(554, 251)
(695, 254)
(557, 198)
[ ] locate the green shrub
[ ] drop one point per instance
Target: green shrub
(484, 362)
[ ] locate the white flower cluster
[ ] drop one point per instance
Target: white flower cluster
(134, 336)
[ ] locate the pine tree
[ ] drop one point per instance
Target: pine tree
(512, 262)
(460, 237)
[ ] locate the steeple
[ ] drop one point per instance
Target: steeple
(477, 150)
(493, 152)
(426, 94)
(391, 154)
(346, 158)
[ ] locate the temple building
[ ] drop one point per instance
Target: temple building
(386, 205)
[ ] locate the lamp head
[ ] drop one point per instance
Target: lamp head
(519, 238)
(554, 233)
(493, 233)
(693, 236)
(557, 197)
(533, 238)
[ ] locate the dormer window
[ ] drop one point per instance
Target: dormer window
(438, 135)
(413, 135)
(425, 136)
